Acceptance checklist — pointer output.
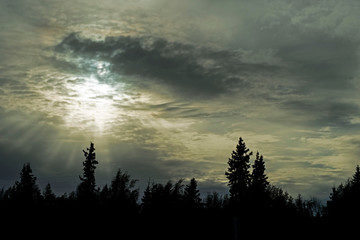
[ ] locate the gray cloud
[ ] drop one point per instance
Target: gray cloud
(193, 71)
(320, 113)
(322, 62)
(35, 138)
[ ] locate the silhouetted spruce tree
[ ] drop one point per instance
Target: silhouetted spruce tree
(122, 192)
(177, 190)
(49, 196)
(259, 182)
(259, 194)
(282, 204)
(192, 194)
(162, 198)
(86, 189)
(238, 172)
(25, 191)
(344, 200)
(214, 201)
(300, 205)
(2, 194)
(146, 199)
(155, 198)
(355, 181)
(105, 195)
(174, 192)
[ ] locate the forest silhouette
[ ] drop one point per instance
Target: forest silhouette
(175, 210)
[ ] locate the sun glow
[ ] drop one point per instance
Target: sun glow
(91, 104)
(102, 68)
(97, 103)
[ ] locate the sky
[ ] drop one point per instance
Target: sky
(165, 89)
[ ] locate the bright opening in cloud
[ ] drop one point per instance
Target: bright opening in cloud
(91, 105)
(102, 68)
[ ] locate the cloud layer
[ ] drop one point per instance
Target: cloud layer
(187, 70)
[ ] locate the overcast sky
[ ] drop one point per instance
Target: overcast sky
(166, 88)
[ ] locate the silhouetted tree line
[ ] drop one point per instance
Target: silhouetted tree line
(175, 210)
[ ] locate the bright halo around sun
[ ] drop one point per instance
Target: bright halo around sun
(91, 105)
(91, 100)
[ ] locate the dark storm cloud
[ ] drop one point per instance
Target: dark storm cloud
(188, 70)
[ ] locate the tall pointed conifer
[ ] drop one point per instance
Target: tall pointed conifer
(238, 172)
(259, 179)
(86, 189)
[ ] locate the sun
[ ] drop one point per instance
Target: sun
(90, 104)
